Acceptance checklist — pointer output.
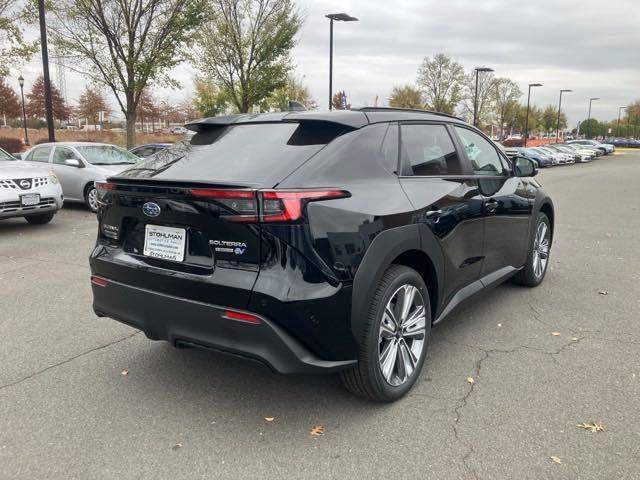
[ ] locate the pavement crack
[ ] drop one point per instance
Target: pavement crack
(68, 360)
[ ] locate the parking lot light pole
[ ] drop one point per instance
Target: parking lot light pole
(526, 120)
(339, 17)
(559, 110)
(24, 112)
(589, 116)
(618, 127)
(475, 100)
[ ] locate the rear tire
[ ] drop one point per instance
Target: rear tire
(91, 198)
(40, 219)
(535, 269)
(396, 335)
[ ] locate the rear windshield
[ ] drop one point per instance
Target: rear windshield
(255, 153)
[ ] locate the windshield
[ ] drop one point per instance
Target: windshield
(106, 155)
(4, 156)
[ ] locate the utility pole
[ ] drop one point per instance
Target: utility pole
(45, 69)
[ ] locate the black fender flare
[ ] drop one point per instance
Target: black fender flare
(384, 249)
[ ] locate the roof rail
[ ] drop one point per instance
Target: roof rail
(398, 109)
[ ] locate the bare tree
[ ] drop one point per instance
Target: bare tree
(440, 79)
(245, 48)
(505, 100)
(485, 97)
(127, 44)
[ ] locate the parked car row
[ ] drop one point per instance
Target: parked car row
(623, 142)
(574, 151)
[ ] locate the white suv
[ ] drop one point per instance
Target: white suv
(28, 191)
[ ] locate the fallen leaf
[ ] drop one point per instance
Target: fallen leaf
(124, 372)
(470, 380)
(555, 460)
(603, 292)
(269, 419)
(499, 325)
(555, 334)
(317, 431)
(575, 339)
(177, 446)
(594, 427)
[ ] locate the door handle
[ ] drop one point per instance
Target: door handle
(433, 215)
(491, 205)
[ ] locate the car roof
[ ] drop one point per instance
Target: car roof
(74, 144)
(356, 118)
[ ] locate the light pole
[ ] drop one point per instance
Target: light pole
(475, 100)
(526, 120)
(589, 116)
(338, 17)
(619, 114)
(24, 112)
(559, 110)
(45, 70)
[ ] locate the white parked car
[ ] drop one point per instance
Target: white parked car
(28, 191)
(79, 164)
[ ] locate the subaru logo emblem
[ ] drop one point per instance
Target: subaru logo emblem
(151, 209)
(25, 184)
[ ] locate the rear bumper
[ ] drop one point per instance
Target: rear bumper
(181, 321)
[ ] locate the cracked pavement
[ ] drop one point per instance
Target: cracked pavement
(67, 412)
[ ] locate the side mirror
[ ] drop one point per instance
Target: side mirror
(73, 162)
(524, 167)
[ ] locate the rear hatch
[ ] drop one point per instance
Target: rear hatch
(187, 220)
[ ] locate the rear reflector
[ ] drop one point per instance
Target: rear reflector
(99, 281)
(241, 317)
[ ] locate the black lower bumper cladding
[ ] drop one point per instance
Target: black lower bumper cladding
(186, 322)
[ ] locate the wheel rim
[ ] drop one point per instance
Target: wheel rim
(92, 198)
(402, 335)
(541, 250)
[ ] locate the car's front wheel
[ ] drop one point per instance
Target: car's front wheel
(538, 257)
(91, 198)
(395, 339)
(40, 219)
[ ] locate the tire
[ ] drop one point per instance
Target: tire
(367, 379)
(91, 198)
(40, 219)
(535, 269)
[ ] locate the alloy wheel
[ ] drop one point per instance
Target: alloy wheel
(92, 199)
(402, 335)
(541, 250)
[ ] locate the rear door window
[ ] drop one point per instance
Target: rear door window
(429, 150)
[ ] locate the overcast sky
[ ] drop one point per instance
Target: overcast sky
(591, 47)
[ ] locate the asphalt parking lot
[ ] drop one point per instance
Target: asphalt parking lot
(542, 361)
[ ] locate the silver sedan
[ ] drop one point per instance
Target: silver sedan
(79, 164)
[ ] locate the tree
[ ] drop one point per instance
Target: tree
(245, 48)
(440, 79)
(406, 96)
(485, 98)
(127, 44)
(592, 128)
(336, 101)
(13, 47)
(35, 104)
(209, 100)
(148, 108)
(293, 89)
(549, 118)
(91, 103)
(9, 101)
(506, 94)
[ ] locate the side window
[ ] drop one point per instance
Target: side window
(40, 154)
(61, 154)
(483, 156)
(429, 150)
(390, 149)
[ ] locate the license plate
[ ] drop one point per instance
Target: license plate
(30, 200)
(166, 243)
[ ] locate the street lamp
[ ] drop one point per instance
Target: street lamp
(619, 114)
(526, 121)
(24, 112)
(589, 116)
(559, 107)
(475, 100)
(338, 17)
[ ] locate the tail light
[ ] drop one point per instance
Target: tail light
(267, 205)
(102, 188)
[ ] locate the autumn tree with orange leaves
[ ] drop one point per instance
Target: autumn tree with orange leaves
(36, 104)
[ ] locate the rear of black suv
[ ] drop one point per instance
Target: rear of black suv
(197, 247)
